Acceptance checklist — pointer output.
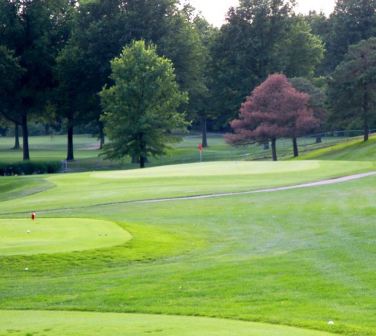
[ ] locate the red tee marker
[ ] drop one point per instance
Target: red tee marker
(33, 215)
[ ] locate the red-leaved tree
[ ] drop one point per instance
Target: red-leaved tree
(275, 109)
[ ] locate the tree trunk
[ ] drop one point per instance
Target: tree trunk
(101, 135)
(142, 161)
(70, 153)
(25, 138)
(142, 148)
(16, 137)
(274, 149)
(318, 139)
(295, 146)
(204, 132)
(366, 131)
(365, 114)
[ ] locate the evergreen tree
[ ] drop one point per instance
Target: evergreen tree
(353, 88)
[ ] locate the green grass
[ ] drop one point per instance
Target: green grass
(290, 258)
(354, 150)
(14, 187)
(53, 235)
(88, 324)
(88, 189)
(50, 148)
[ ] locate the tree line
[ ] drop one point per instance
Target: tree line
(56, 56)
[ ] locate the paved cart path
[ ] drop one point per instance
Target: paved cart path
(267, 190)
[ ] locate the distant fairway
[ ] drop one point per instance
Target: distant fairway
(89, 324)
(53, 235)
(95, 188)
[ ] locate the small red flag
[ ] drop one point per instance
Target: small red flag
(200, 147)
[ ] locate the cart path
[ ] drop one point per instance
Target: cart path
(267, 190)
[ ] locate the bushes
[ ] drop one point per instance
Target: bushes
(29, 168)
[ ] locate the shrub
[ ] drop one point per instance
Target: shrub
(29, 168)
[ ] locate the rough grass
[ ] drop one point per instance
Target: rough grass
(355, 150)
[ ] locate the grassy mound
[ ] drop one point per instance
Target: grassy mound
(15, 187)
(105, 324)
(53, 235)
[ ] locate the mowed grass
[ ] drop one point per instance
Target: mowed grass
(105, 324)
(291, 258)
(53, 235)
(88, 189)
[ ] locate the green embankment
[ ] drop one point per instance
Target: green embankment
(354, 150)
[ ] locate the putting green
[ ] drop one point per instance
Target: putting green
(49, 323)
(53, 235)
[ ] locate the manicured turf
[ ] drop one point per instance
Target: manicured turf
(53, 235)
(87, 189)
(299, 257)
(88, 324)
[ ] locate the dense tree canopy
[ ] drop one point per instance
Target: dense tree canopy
(351, 22)
(34, 31)
(259, 38)
(141, 107)
(317, 101)
(55, 58)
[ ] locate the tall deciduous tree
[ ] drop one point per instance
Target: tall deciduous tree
(102, 29)
(10, 76)
(302, 52)
(274, 110)
(140, 109)
(353, 87)
(35, 30)
(259, 38)
(351, 22)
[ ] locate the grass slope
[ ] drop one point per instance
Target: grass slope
(297, 257)
(15, 187)
(88, 324)
(355, 150)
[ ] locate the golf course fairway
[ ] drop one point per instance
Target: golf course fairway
(108, 324)
(53, 235)
(106, 256)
